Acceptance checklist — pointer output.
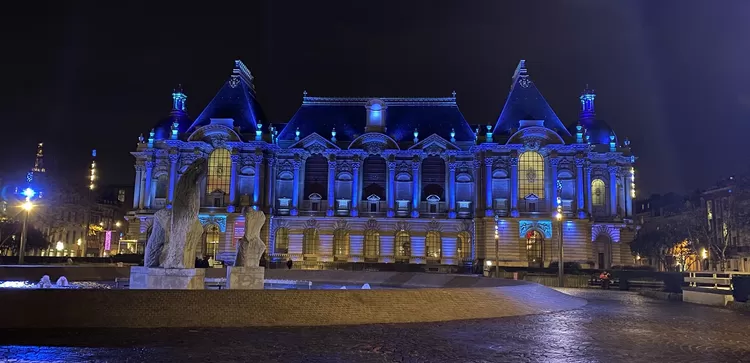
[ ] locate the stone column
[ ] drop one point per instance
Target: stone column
(173, 158)
(476, 197)
(514, 186)
(256, 181)
(137, 190)
(354, 211)
(270, 185)
(147, 193)
(295, 188)
(331, 188)
(613, 169)
(589, 202)
(415, 164)
(391, 189)
(629, 194)
(553, 162)
(488, 202)
(452, 189)
(233, 182)
(579, 187)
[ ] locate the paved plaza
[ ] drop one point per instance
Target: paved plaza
(614, 327)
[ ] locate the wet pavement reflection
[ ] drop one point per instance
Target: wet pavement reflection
(614, 327)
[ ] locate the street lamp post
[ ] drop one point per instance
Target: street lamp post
(26, 206)
(560, 265)
(497, 249)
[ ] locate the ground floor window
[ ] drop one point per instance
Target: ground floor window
(212, 241)
(535, 249)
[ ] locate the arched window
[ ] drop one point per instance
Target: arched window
(212, 240)
(463, 245)
(597, 192)
(531, 175)
(282, 241)
(310, 241)
(372, 244)
(402, 245)
(534, 248)
(433, 245)
(340, 242)
(162, 186)
(219, 171)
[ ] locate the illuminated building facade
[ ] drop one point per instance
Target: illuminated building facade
(402, 180)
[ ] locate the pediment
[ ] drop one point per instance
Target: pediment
(315, 144)
(213, 133)
(374, 143)
(434, 144)
(535, 136)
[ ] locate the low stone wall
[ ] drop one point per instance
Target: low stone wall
(705, 296)
(392, 279)
(72, 273)
(246, 308)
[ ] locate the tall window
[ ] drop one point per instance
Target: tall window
(531, 175)
(282, 241)
(340, 242)
(219, 171)
(162, 185)
(402, 245)
(534, 249)
(212, 240)
(372, 244)
(463, 245)
(310, 241)
(597, 192)
(433, 245)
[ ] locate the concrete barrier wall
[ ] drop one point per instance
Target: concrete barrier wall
(245, 308)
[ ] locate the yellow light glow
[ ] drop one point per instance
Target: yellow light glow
(704, 253)
(78, 242)
(489, 263)
(118, 224)
(101, 223)
(558, 216)
(60, 246)
(27, 205)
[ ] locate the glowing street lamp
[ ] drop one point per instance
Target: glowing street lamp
(60, 246)
(560, 265)
(118, 224)
(27, 206)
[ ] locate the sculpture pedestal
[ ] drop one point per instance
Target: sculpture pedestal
(167, 278)
(245, 278)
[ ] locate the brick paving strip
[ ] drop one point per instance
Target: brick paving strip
(614, 327)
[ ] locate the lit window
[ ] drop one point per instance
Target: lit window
(310, 241)
(219, 171)
(340, 242)
(282, 241)
(403, 245)
(372, 244)
(212, 240)
(433, 245)
(463, 245)
(531, 175)
(597, 192)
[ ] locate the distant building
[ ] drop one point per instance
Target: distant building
(397, 180)
(727, 207)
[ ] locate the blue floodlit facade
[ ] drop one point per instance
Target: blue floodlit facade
(398, 180)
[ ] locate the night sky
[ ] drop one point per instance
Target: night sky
(670, 75)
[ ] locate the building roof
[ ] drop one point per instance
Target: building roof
(402, 115)
(235, 100)
(525, 102)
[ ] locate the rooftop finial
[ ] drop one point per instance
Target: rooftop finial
(588, 110)
(179, 99)
(453, 93)
(243, 73)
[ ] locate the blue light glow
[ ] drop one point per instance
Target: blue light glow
(28, 193)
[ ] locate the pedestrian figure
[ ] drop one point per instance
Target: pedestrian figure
(605, 279)
(289, 264)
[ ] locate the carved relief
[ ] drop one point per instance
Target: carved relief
(545, 227)
(311, 224)
(372, 225)
(401, 226)
(434, 225)
(341, 225)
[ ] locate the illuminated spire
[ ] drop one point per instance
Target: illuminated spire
(39, 162)
(92, 174)
(588, 111)
(179, 100)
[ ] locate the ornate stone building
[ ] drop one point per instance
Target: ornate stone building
(402, 180)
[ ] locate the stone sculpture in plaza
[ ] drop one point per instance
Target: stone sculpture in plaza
(246, 274)
(169, 261)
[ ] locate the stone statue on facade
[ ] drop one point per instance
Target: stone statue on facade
(170, 251)
(246, 274)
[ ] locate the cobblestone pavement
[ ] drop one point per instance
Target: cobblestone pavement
(614, 327)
